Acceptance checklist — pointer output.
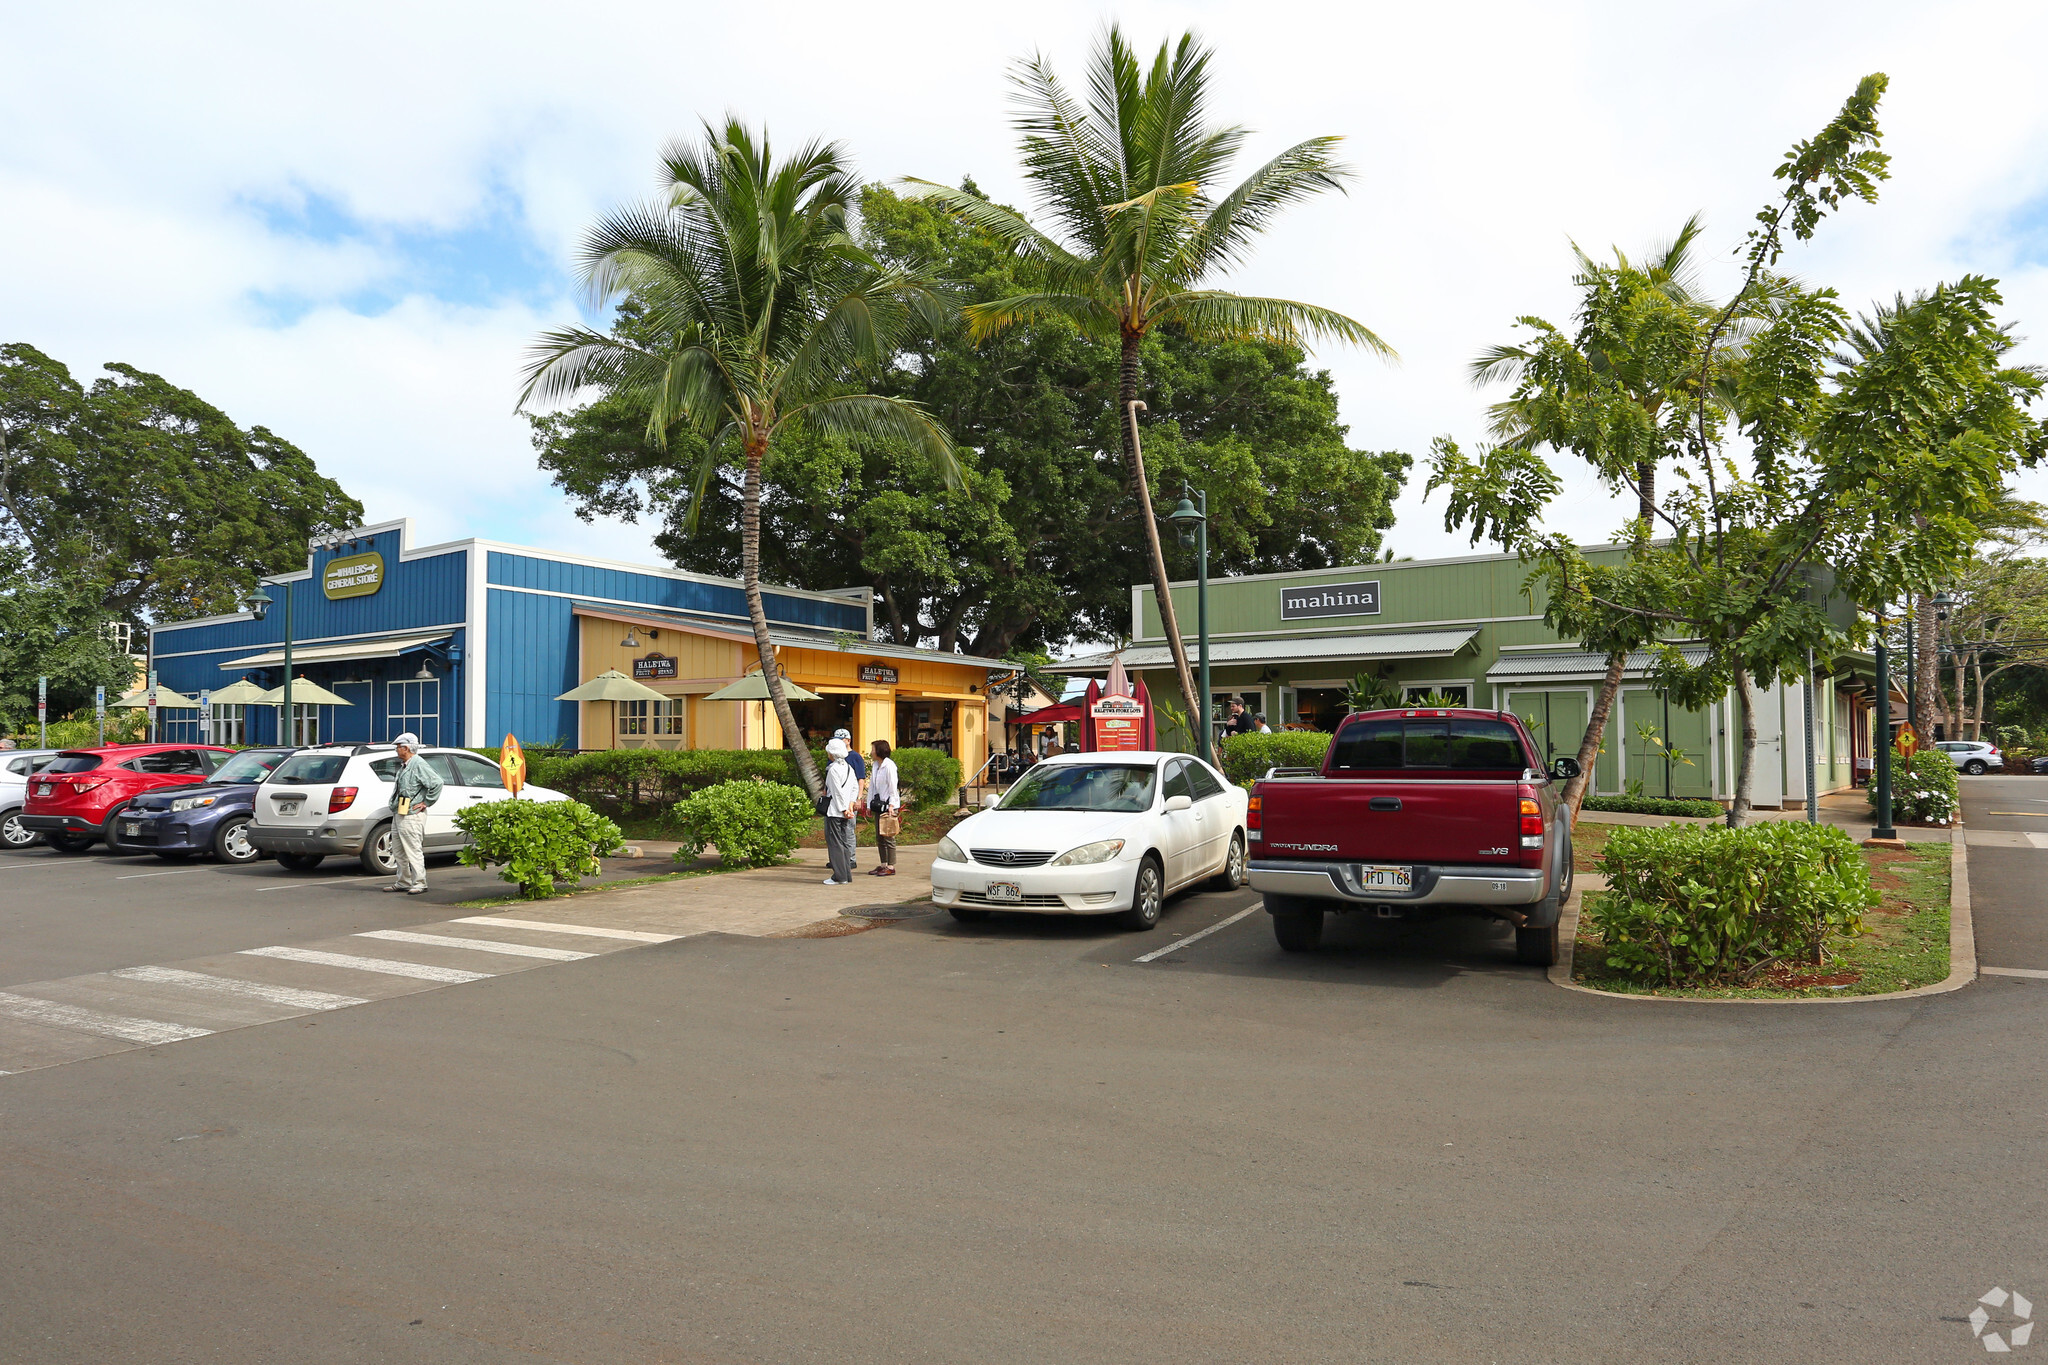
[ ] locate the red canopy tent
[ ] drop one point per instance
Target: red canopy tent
(1047, 715)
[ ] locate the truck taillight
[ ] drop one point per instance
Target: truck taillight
(1252, 819)
(340, 799)
(1532, 819)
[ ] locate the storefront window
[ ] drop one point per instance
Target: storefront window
(925, 725)
(1438, 694)
(228, 726)
(414, 706)
(1318, 708)
(651, 717)
(818, 719)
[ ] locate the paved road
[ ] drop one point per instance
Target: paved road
(2007, 822)
(1014, 1142)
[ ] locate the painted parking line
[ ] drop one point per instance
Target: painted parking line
(226, 985)
(2031, 972)
(477, 945)
(176, 872)
(630, 935)
(324, 881)
(1202, 934)
(386, 966)
(127, 1029)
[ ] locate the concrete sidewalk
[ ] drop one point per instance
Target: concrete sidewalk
(757, 902)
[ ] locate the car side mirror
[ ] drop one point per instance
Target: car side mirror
(1174, 803)
(1564, 769)
(989, 802)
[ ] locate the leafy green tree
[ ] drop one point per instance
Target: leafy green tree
(52, 626)
(149, 492)
(1127, 180)
(759, 317)
(1864, 461)
(1030, 550)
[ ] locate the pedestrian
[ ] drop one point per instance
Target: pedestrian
(6, 741)
(885, 801)
(418, 788)
(842, 804)
(1264, 728)
(855, 762)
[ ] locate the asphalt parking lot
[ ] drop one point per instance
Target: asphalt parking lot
(1015, 1141)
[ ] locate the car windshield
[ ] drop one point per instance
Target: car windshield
(251, 765)
(310, 768)
(74, 763)
(1084, 786)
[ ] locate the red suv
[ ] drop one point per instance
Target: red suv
(73, 801)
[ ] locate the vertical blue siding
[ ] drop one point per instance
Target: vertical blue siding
(621, 585)
(532, 648)
(365, 721)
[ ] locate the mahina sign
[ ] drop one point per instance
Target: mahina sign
(1330, 599)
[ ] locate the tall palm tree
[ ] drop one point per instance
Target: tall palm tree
(1126, 178)
(761, 314)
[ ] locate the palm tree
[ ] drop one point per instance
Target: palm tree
(757, 314)
(1126, 179)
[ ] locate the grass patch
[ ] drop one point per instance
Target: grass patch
(1904, 942)
(1589, 840)
(919, 827)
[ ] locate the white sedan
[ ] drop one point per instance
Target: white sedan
(1096, 834)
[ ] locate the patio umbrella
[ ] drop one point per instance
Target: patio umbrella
(135, 701)
(240, 692)
(304, 693)
(614, 687)
(754, 687)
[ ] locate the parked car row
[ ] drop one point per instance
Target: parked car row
(300, 806)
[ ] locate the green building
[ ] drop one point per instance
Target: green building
(1287, 645)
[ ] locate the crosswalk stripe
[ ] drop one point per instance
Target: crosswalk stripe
(128, 1030)
(368, 964)
(630, 935)
(476, 945)
(227, 985)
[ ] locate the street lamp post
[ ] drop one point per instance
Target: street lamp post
(258, 603)
(1882, 774)
(1193, 523)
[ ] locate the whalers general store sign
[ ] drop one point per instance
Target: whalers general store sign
(353, 576)
(1330, 599)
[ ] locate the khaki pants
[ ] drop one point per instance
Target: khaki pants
(409, 842)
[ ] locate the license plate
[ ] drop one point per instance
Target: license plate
(1386, 878)
(287, 808)
(131, 827)
(42, 789)
(1005, 891)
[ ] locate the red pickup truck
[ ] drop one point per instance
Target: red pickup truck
(1417, 812)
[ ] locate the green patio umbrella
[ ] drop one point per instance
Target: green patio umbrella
(754, 687)
(136, 701)
(304, 693)
(614, 687)
(240, 692)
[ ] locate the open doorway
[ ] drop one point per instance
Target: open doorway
(925, 723)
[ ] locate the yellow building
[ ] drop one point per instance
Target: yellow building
(913, 698)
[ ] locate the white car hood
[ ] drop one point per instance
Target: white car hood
(1053, 831)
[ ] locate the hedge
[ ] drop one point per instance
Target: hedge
(1653, 805)
(751, 823)
(1925, 792)
(649, 782)
(1692, 905)
(1245, 758)
(538, 843)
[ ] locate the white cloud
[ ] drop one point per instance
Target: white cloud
(141, 138)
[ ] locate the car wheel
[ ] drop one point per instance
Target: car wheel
(14, 834)
(231, 843)
(299, 862)
(966, 916)
(70, 843)
(107, 833)
(1297, 930)
(380, 852)
(1232, 875)
(1536, 947)
(1975, 767)
(1148, 895)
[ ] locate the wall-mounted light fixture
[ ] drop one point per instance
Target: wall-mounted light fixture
(631, 641)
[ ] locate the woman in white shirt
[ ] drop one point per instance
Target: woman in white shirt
(886, 803)
(842, 804)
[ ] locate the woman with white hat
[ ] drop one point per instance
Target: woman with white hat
(842, 802)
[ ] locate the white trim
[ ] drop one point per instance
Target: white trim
(475, 641)
(1380, 628)
(317, 640)
(1382, 566)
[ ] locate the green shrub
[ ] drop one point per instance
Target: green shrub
(1693, 905)
(539, 843)
(1652, 805)
(642, 782)
(1926, 792)
(752, 823)
(929, 778)
(1245, 758)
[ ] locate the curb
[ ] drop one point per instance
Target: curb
(1962, 949)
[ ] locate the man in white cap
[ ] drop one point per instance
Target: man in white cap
(419, 787)
(860, 771)
(842, 802)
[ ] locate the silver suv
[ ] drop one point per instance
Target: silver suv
(1973, 756)
(16, 767)
(335, 800)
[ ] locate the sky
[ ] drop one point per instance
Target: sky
(348, 223)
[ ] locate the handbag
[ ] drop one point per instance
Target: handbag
(890, 825)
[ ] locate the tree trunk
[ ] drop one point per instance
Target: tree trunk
(750, 576)
(1957, 711)
(1927, 667)
(1646, 491)
(1745, 763)
(1134, 459)
(1977, 681)
(1596, 730)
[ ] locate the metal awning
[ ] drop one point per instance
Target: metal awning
(384, 648)
(1419, 644)
(1577, 664)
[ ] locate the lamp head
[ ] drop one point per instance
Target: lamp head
(425, 674)
(257, 602)
(1186, 517)
(632, 641)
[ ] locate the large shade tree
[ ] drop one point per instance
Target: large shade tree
(1128, 179)
(761, 317)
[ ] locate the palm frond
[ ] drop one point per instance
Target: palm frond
(1224, 239)
(1086, 311)
(874, 418)
(1287, 322)
(1502, 363)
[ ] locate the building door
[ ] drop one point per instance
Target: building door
(1667, 748)
(413, 705)
(1556, 720)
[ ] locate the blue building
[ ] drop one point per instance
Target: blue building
(461, 643)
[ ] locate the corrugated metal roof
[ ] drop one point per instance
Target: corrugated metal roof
(1419, 644)
(1579, 663)
(384, 647)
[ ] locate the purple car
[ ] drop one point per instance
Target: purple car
(211, 817)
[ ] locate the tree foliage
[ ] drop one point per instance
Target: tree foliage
(1033, 548)
(147, 493)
